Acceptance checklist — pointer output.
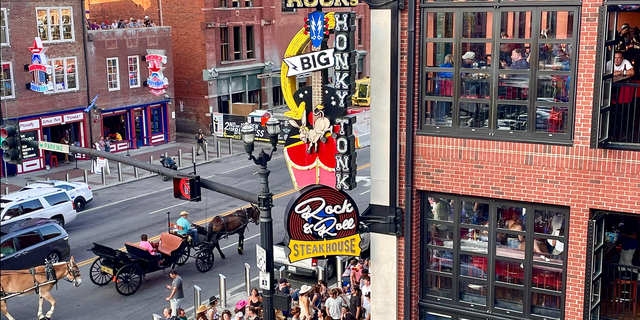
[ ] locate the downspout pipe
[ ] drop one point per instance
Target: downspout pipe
(408, 165)
(86, 67)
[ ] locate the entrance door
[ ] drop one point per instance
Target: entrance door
(595, 256)
(139, 131)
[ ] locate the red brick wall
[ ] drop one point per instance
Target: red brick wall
(578, 177)
(122, 43)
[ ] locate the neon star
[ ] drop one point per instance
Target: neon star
(37, 46)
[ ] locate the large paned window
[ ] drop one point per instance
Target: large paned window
(250, 51)
(134, 71)
(4, 28)
(55, 24)
(224, 44)
(6, 81)
(237, 43)
(493, 256)
(499, 73)
(113, 74)
(156, 120)
(65, 74)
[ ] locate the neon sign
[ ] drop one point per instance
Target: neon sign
(156, 81)
(39, 68)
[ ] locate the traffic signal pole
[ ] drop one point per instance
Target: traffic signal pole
(204, 183)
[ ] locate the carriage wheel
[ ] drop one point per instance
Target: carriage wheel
(204, 260)
(185, 256)
(128, 280)
(98, 276)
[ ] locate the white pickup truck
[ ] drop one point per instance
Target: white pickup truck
(309, 267)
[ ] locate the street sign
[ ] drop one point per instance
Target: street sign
(261, 258)
(265, 281)
(50, 146)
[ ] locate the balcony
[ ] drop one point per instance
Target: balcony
(619, 121)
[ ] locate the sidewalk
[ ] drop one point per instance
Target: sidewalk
(184, 142)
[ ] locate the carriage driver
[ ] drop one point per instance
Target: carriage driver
(186, 227)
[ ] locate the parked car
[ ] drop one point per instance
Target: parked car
(27, 243)
(79, 192)
(49, 203)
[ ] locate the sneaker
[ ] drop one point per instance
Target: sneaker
(197, 154)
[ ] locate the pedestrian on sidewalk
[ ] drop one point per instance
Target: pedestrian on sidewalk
(177, 294)
(65, 141)
(201, 141)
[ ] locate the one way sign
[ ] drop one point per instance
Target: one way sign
(310, 62)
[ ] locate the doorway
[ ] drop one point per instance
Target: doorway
(139, 123)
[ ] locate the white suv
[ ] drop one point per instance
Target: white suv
(50, 203)
(79, 192)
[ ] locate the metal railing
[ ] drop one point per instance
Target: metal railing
(619, 292)
(623, 121)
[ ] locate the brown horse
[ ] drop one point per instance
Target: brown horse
(233, 223)
(22, 281)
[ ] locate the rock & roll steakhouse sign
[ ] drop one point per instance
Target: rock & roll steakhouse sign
(321, 221)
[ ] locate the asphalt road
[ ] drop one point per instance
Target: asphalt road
(121, 213)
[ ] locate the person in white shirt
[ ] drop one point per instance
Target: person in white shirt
(621, 67)
(365, 287)
(333, 304)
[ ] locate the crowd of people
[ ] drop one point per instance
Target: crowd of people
(93, 24)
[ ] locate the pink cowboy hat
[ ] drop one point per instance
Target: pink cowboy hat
(241, 304)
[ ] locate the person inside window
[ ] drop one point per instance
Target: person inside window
(518, 60)
(621, 66)
(469, 61)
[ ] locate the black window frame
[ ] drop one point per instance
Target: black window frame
(237, 43)
(251, 52)
(224, 44)
(532, 103)
(455, 303)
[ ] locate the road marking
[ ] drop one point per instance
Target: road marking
(363, 193)
(280, 195)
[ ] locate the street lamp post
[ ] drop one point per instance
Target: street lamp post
(265, 202)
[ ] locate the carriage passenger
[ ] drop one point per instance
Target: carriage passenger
(144, 242)
(186, 227)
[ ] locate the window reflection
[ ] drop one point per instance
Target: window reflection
(546, 305)
(440, 25)
(510, 272)
(512, 117)
(473, 212)
(439, 286)
(474, 115)
(473, 292)
(516, 25)
(556, 25)
(509, 299)
(553, 88)
(439, 260)
(554, 56)
(552, 119)
(441, 209)
(476, 56)
(476, 24)
(438, 113)
(439, 84)
(436, 54)
(474, 240)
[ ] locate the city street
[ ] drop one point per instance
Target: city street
(121, 213)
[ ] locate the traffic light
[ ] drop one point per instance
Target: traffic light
(187, 188)
(11, 144)
(306, 26)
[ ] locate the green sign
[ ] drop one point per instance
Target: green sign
(56, 147)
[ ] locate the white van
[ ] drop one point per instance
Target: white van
(50, 203)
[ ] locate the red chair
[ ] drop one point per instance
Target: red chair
(52, 160)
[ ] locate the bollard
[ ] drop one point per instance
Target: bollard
(321, 274)
(151, 162)
(339, 272)
(206, 152)
(6, 191)
(66, 177)
(193, 154)
(104, 177)
(48, 179)
(223, 290)
(217, 142)
(197, 293)
(135, 172)
(119, 172)
(247, 278)
(180, 158)
(157, 317)
(281, 272)
(230, 146)
(86, 176)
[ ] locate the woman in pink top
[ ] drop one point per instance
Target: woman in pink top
(147, 245)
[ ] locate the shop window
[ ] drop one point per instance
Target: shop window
(224, 44)
(113, 72)
(65, 74)
(278, 98)
(493, 256)
(6, 80)
(254, 96)
(237, 43)
(115, 125)
(250, 51)
(134, 72)
(156, 121)
(480, 84)
(55, 24)
(4, 28)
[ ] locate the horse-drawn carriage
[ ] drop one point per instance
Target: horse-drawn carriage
(127, 269)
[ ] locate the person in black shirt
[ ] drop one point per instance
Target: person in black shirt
(200, 140)
(355, 303)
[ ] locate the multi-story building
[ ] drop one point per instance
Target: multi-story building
(518, 139)
(48, 85)
(220, 48)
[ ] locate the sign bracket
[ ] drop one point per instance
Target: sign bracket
(377, 218)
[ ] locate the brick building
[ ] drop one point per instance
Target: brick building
(52, 103)
(507, 218)
(221, 46)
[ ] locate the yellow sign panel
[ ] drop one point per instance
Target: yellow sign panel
(300, 250)
(322, 3)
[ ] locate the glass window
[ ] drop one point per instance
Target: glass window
(237, 43)
(475, 248)
(235, 3)
(55, 24)
(248, 3)
(64, 76)
(224, 44)
(134, 72)
(50, 232)
(28, 239)
(31, 206)
(223, 4)
(156, 120)
(4, 27)
(475, 81)
(12, 212)
(6, 81)
(113, 78)
(250, 50)
(8, 247)
(57, 198)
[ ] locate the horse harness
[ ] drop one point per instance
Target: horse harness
(242, 226)
(51, 277)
